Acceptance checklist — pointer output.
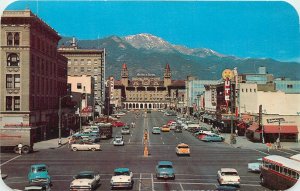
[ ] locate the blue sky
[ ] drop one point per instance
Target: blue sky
(243, 29)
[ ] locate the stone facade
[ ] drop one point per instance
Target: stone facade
(33, 73)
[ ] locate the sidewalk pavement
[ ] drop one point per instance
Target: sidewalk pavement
(243, 142)
(50, 144)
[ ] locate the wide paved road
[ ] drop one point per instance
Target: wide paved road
(197, 172)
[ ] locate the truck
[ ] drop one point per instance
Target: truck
(10, 137)
(105, 130)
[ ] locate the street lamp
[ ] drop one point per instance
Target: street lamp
(59, 118)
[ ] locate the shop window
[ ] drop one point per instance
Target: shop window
(9, 81)
(8, 103)
(13, 59)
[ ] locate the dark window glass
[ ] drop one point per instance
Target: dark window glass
(9, 81)
(8, 103)
(13, 59)
(9, 39)
(17, 39)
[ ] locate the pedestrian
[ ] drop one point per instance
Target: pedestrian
(20, 148)
(236, 132)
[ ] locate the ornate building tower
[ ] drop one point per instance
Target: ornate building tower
(124, 75)
(167, 76)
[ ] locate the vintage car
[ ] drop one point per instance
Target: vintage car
(226, 188)
(183, 149)
(122, 178)
(178, 129)
(255, 166)
(228, 176)
(164, 169)
(85, 180)
(118, 140)
(125, 130)
(155, 130)
(118, 124)
(212, 138)
(38, 186)
(165, 128)
(39, 173)
(85, 146)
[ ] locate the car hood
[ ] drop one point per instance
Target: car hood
(39, 175)
(82, 182)
(122, 178)
(254, 165)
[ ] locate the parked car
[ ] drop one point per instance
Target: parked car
(212, 138)
(125, 130)
(173, 125)
(155, 130)
(228, 176)
(118, 140)
(226, 188)
(170, 122)
(122, 178)
(165, 128)
(85, 146)
(39, 173)
(178, 129)
(118, 124)
(183, 149)
(164, 169)
(85, 180)
(255, 166)
(38, 186)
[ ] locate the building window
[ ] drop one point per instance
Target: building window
(82, 62)
(79, 86)
(242, 90)
(69, 62)
(17, 39)
(95, 69)
(254, 90)
(9, 39)
(246, 90)
(89, 69)
(17, 103)
(250, 90)
(9, 81)
(75, 69)
(8, 103)
(17, 80)
(89, 62)
(289, 85)
(75, 61)
(13, 59)
(82, 69)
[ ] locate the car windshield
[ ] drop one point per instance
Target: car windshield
(183, 147)
(84, 176)
(126, 173)
(39, 169)
(230, 173)
(165, 166)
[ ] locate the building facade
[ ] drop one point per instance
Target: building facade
(33, 73)
(89, 62)
(146, 91)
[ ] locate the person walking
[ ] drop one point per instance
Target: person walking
(20, 148)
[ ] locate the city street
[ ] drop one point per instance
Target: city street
(195, 172)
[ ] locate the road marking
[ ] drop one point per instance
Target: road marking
(181, 187)
(285, 152)
(261, 152)
(294, 150)
(10, 160)
(163, 143)
(152, 182)
(140, 182)
(111, 140)
(129, 141)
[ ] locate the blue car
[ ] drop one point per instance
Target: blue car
(39, 173)
(212, 138)
(164, 169)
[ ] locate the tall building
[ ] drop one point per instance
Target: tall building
(89, 62)
(33, 73)
(146, 91)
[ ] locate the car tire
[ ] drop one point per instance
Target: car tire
(74, 149)
(173, 178)
(25, 149)
(93, 149)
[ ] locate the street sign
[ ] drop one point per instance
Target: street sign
(275, 120)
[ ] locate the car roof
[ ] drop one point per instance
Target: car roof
(87, 172)
(121, 170)
(228, 170)
(38, 165)
(165, 163)
(182, 144)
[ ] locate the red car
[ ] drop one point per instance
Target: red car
(118, 124)
(170, 122)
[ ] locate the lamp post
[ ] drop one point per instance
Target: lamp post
(59, 118)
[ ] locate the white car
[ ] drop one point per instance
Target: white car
(85, 180)
(85, 146)
(125, 130)
(228, 176)
(118, 140)
(122, 178)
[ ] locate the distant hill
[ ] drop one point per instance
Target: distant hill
(145, 53)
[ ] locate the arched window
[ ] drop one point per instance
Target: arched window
(9, 39)
(13, 59)
(17, 39)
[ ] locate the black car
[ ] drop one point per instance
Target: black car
(178, 129)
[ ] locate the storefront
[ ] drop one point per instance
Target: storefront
(286, 133)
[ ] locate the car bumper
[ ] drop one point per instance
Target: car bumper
(165, 176)
(80, 188)
(121, 185)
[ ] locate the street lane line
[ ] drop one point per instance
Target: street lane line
(261, 152)
(140, 182)
(181, 187)
(294, 150)
(285, 152)
(152, 184)
(10, 160)
(129, 141)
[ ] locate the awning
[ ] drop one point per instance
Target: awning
(283, 129)
(253, 127)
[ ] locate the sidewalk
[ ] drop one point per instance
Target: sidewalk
(50, 144)
(243, 142)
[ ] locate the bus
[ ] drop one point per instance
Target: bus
(279, 173)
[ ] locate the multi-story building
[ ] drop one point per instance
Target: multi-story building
(33, 73)
(146, 91)
(89, 62)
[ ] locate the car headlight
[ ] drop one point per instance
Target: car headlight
(89, 183)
